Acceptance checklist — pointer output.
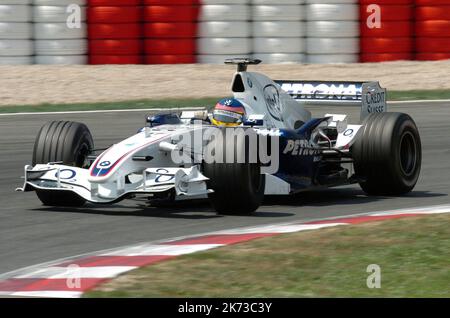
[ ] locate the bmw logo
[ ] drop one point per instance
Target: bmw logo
(105, 164)
(348, 132)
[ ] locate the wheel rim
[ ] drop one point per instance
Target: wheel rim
(408, 153)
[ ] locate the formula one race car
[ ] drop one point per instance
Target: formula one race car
(277, 149)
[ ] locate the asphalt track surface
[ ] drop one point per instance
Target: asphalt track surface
(31, 233)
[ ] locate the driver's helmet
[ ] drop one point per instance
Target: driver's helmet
(228, 112)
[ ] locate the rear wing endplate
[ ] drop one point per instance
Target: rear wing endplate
(370, 96)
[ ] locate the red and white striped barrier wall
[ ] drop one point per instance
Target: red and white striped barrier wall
(332, 31)
(224, 30)
(432, 29)
(393, 39)
(115, 31)
(279, 31)
(209, 31)
(170, 31)
(16, 32)
(55, 43)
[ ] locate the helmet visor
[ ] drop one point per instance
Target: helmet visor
(227, 117)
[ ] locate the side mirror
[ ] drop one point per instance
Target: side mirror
(163, 119)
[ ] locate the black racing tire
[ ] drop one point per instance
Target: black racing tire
(67, 142)
(388, 154)
(238, 187)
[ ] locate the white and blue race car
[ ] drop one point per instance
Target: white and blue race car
(278, 150)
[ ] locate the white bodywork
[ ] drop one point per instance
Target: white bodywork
(115, 174)
(264, 97)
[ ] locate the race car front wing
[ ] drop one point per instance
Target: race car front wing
(56, 177)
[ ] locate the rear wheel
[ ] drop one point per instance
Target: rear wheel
(238, 187)
(388, 154)
(69, 143)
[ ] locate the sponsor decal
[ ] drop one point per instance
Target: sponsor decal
(349, 132)
(163, 178)
(325, 91)
(375, 101)
(273, 103)
(300, 147)
(66, 174)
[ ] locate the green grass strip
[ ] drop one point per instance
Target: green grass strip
(200, 102)
(138, 104)
(418, 95)
(413, 254)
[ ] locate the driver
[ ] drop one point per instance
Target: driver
(228, 112)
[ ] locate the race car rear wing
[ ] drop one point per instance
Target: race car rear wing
(370, 96)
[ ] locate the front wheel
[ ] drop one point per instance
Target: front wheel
(388, 154)
(69, 143)
(238, 187)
